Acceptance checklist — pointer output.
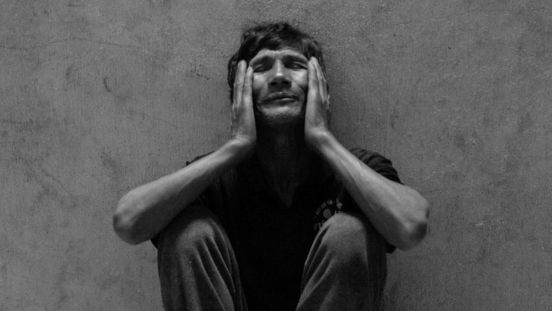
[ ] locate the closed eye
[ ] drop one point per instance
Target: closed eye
(260, 68)
(297, 65)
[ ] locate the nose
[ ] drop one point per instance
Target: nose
(279, 77)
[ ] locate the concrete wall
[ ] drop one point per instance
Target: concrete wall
(99, 96)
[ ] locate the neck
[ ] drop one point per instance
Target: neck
(283, 155)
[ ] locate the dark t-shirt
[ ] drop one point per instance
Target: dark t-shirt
(271, 240)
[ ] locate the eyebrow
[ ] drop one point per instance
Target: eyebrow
(296, 57)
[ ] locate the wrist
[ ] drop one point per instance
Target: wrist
(320, 140)
(240, 148)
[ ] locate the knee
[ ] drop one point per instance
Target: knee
(189, 234)
(350, 240)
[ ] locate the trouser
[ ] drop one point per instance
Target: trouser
(344, 270)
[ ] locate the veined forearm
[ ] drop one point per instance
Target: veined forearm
(146, 210)
(398, 212)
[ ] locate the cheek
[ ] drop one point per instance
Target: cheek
(302, 81)
(256, 86)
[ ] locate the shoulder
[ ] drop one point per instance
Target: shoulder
(362, 153)
(369, 157)
(218, 187)
(377, 162)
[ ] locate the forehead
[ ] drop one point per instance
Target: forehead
(278, 54)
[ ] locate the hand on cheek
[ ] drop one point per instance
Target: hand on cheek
(243, 119)
(318, 102)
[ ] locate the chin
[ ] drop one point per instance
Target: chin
(288, 117)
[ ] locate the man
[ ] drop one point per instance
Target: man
(282, 216)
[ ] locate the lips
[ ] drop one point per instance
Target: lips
(280, 96)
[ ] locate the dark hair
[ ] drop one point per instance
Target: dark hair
(272, 36)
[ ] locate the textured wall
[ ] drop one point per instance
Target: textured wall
(99, 96)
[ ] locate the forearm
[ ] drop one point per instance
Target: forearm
(146, 210)
(398, 212)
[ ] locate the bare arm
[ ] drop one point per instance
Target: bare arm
(146, 210)
(398, 212)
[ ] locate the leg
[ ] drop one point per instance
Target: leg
(346, 266)
(197, 266)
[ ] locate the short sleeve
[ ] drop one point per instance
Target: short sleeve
(382, 166)
(202, 199)
(378, 163)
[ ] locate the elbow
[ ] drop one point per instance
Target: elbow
(413, 235)
(124, 230)
(123, 223)
(416, 229)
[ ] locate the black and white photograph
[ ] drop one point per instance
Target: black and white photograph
(229, 155)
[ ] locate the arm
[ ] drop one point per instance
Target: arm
(145, 211)
(398, 212)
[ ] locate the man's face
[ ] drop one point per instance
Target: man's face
(280, 82)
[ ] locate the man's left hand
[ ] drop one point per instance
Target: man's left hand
(318, 106)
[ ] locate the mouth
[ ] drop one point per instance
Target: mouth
(280, 97)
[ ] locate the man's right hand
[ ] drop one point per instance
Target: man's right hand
(244, 132)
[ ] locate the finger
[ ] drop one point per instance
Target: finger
(238, 82)
(313, 81)
(321, 80)
(247, 89)
(323, 86)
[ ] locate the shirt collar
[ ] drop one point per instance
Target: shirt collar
(252, 175)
